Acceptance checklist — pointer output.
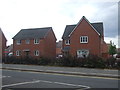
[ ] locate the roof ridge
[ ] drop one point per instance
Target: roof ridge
(71, 25)
(97, 22)
(36, 28)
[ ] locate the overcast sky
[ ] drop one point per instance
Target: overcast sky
(20, 14)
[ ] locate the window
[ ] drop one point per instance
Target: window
(67, 42)
(36, 41)
(36, 53)
(18, 42)
(18, 53)
(84, 39)
(27, 41)
(82, 53)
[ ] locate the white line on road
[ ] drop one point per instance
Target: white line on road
(72, 85)
(4, 76)
(21, 83)
(44, 81)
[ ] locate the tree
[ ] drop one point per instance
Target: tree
(112, 48)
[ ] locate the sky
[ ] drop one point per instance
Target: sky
(21, 14)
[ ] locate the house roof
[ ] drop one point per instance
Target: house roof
(98, 27)
(59, 44)
(32, 33)
(70, 28)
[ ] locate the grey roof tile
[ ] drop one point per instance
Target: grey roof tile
(98, 27)
(68, 30)
(32, 33)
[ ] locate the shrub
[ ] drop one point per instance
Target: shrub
(93, 61)
(44, 61)
(110, 62)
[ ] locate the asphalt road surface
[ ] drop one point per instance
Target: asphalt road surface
(23, 79)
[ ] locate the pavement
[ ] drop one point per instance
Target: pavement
(64, 70)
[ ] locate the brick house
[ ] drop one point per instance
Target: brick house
(58, 48)
(3, 41)
(84, 38)
(35, 42)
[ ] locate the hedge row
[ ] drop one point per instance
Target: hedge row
(89, 62)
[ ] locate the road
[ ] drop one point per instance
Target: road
(25, 79)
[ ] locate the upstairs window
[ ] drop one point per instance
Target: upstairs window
(27, 41)
(67, 42)
(84, 39)
(36, 41)
(36, 53)
(18, 53)
(18, 42)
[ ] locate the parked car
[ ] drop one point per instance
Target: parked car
(10, 54)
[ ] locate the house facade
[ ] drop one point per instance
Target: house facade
(84, 38)
(59, 48)
(3, 41)
(35, 42)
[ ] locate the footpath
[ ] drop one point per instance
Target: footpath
(65, 70)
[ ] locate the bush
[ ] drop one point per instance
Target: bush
(93, 61)
(110, 62)
(44, 61)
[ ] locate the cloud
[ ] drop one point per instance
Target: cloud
(113, 39)
(19, 14)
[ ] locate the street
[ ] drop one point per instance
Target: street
(26, 79)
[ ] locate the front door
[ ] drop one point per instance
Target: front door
(27, 53)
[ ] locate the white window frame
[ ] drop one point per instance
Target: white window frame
(36, 41)
(36, 52)
(27, 41)
(84, 39)
(82, 52)
(18, 53)
(18, 42)
(67, 42)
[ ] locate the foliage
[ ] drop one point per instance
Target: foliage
(91, 61)
(112, 48)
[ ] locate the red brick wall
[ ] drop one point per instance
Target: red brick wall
(50, 45)
(93, 45)
(104, 49)
(58, 51)
(3, 46)
(46, 46)
(32, 47)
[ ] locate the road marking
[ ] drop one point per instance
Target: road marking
(4, 76)
(21, 83)
(44, 81)
(72, 85)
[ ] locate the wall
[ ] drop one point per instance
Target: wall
(50, 45)
(93, 45)
(32, 47)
